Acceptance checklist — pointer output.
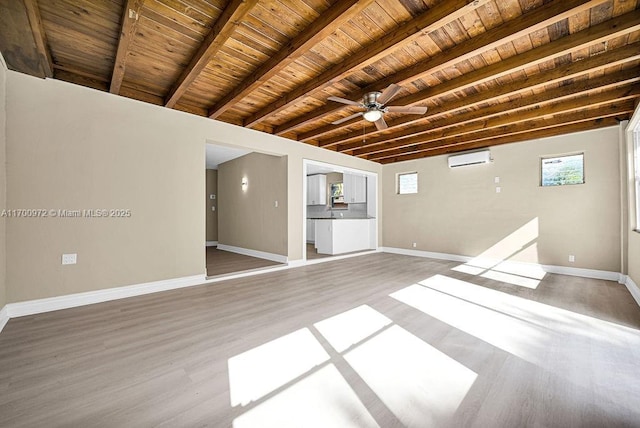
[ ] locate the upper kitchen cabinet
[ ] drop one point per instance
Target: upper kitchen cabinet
(317, 189)
(355, 189)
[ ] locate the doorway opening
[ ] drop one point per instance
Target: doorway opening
(245, 213)
(340, 208)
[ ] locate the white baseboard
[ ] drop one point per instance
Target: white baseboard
(4, 317)
(31, 307)
(563, 270)
(427, 254)
(633, 289)
(212, 243)
(254, 253)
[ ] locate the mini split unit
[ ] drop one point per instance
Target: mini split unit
(466, 159)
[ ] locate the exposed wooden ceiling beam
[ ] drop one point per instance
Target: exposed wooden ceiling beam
(317, 31)
(605, 31)
(615, 109)
(215, 39)
(531, 21)
(564, 72)
(127, 31)
(40, 37)
(543, 133)
(553, 101)
(438, 16)
(495, 124)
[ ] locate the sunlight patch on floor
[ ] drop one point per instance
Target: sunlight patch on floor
(419, 384)
(350, 327)
(256, 373)
(527, 329)
(494, 263)
(322, 399)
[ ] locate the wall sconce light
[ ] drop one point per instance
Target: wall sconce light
(245, 184)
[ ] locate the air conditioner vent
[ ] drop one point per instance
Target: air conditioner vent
(466, 159)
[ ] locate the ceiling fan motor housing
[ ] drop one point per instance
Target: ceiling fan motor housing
(370, 99)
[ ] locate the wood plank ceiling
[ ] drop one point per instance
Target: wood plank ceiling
(489, 71)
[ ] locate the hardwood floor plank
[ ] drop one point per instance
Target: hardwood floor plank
(223, 262)
(566, 353)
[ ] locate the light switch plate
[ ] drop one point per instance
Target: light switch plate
(496, 180)
(498, 189)
(69, 259)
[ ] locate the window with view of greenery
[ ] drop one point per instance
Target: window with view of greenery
(636, 137)
(407, 183)
(563, 170)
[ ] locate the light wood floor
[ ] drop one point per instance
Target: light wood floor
(312, 253)
(223, 262)
(376, 340)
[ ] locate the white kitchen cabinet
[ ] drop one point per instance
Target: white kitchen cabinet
(317, 189)
(341, 236)
(311, 231)
(355, 189)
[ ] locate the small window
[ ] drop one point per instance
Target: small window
(563, 170)
(407, 183)
(636, 136)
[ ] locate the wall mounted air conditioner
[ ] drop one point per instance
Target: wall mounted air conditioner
(472, 158)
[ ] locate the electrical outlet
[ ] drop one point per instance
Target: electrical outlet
(69, 259)
(496, 180)
(572, 258)
(415, 245)
(498, 189)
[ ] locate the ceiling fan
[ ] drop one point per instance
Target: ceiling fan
(375, 105)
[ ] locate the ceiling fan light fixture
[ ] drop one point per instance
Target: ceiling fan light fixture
(372, 115)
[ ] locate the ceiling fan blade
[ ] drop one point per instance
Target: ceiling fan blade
(344, 101)
(381, 124)
(389, 93)
(407, 109)
(344, 119)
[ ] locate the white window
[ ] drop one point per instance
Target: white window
(407, 183)
(562, 170)
(636, 138)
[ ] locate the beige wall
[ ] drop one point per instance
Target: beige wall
(3, 181)
(249, 218)
(458, 211)
(634, 256)
(210, 215)
(70, 147)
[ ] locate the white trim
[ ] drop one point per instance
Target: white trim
(296, 263)
(427, 254)
(339, 257)
(212, 243)
(563, 270)
(31, 307)
(585, 273)
(254, 253)
(633, 289)
(4, 317)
